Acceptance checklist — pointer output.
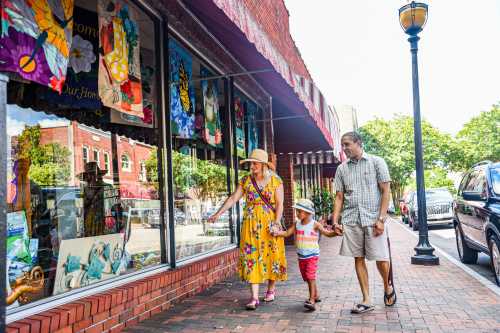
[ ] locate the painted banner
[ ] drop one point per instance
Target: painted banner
(36, 40)
(212, 133)
(80, 90)
(120, 85)
(252, 128)
(148, 95)
(239, 109)
(182, 95)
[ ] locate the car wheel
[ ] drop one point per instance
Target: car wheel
(466, 254)
(494, 245)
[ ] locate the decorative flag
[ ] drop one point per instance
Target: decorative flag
(36, 40)
(80, 89)
(212, 133)
(120, 85)
(253, 131)
(240, 130)
(182, 95)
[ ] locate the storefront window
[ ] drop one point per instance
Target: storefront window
(198, 158)
(74, 220)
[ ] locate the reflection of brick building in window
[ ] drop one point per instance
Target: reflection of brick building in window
(97, 143)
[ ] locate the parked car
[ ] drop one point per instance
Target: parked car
(403, 206)
(477, 215)
(439, 206)
(219, 227)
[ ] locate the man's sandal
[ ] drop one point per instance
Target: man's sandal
(254, 303)
(317, 300)
(390, 296)
(310, 306)
(362, 308)
(270, 296)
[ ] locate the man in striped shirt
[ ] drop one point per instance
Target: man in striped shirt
(362, 186)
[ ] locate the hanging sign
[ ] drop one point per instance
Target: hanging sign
(120, 85)
(240, 131)
(212, 133)
(182, 96)
(253, 131)
(36, 40)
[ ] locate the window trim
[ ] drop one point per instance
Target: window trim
(128, 168)
(107, 165)
(85, 151)
(98, 159)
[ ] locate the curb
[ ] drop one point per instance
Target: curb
(485, 282)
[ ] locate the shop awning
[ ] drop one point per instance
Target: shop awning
(232, 24)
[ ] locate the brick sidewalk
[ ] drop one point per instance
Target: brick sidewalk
(430, 299)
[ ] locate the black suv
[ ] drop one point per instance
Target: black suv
(477, 215)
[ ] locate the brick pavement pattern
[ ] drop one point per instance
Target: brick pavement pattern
(430, 299)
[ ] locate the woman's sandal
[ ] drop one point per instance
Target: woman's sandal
(390, 296)
(310, 306)
(270, 296)
(254, 303)
(362, 308)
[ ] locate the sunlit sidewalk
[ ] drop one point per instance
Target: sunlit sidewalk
(430, 299)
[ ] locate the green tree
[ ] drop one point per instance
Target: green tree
(50, 164)
(393, 140)
(435, 178)
(478, 140)
(209, 180)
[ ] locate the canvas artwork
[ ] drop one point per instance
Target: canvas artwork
(182, 94)
(148, 95)
(80, 89)
(120, 85)
(240, 130)
(212, 133)
(84, 261)
(36, 40)
(252, 129)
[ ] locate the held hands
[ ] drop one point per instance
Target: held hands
(338, 229)
(213, 218)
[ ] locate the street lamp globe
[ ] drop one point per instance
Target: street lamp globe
(412, 17)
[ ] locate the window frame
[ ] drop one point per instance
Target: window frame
(85, 154)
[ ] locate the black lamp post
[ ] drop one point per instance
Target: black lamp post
(412, 18)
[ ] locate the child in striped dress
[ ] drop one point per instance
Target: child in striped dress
(307, 232)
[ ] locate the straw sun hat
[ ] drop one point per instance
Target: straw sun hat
(257, 155)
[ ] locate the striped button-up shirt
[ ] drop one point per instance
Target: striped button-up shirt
(358, 180)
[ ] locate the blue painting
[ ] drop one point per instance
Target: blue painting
(182, 94)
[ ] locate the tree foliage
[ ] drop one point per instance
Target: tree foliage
(50, 163)
(435, 178)
(478, 140)
(393, 140)
(205, 178)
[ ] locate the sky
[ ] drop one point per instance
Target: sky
(358, 55)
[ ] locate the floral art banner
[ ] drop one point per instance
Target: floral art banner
(36, 40)
(212, 133)
(120, 86)
(182, 95)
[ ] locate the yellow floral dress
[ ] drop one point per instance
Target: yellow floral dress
(262, 256)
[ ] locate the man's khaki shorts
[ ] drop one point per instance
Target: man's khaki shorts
(359, 241)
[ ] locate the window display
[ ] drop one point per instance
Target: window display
(83, 182)
(198, 157)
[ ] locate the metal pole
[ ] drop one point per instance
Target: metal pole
(3, 195)
(424, 251)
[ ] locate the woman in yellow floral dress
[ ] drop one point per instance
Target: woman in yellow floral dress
(262, 256)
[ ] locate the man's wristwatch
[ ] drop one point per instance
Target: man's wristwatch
(382, 219)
